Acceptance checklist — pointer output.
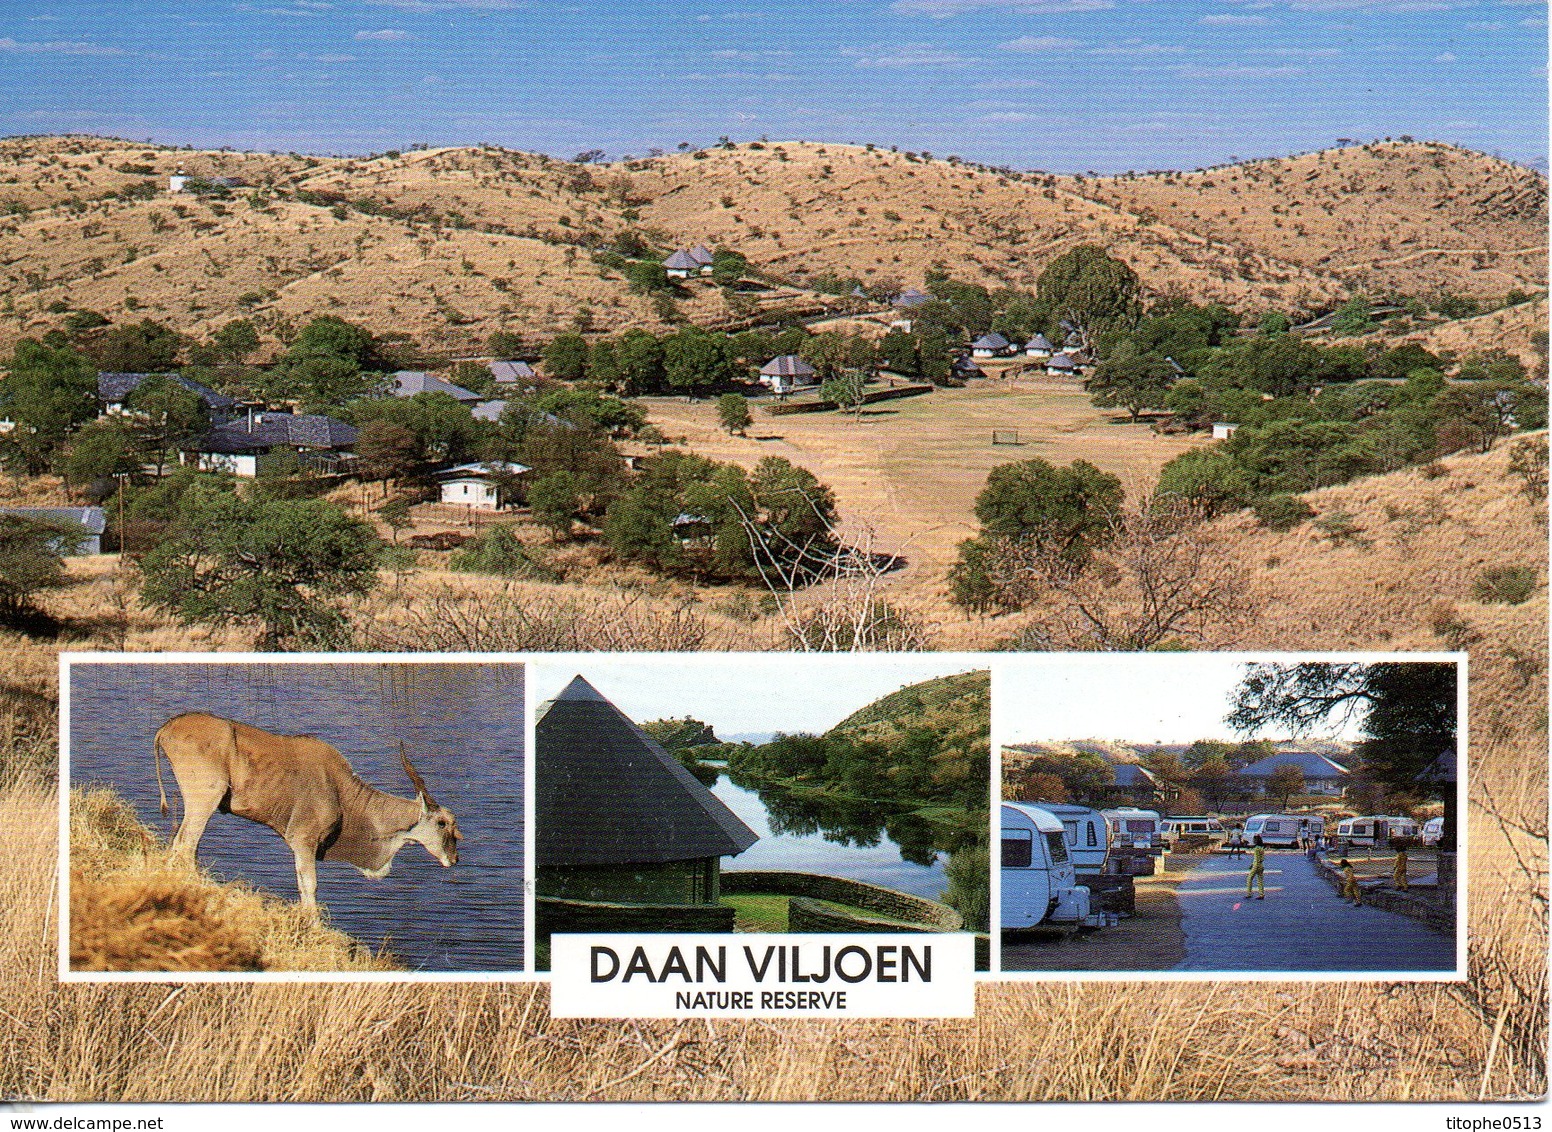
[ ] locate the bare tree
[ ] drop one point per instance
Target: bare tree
(1162, 574)
(829, 591)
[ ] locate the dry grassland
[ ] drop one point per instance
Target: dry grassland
(1424, 541)
(910, 469)
(461, 242)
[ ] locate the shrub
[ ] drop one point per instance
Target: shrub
(498, 551)
(1282, 512)
(1505, 585)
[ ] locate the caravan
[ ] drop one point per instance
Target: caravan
(1375, 831)
(1086, 833)
(1039, 884)
(1275, 830)
(1195, 831)
(1131, 828)
(1433, 831)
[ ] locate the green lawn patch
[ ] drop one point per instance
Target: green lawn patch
(755, 912)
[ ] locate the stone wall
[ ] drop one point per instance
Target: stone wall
(557, 915)
(806, 916)
(1425, 902)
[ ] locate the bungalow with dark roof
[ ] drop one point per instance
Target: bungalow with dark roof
(991, 345)
(407, 383)
(701, 254)
(114, 390)
(1321, 775)
(235, 447)
(1061, 364)
(788, 372)
(617, 818)
(964, 369)
(1039, 347)
(513, 373)
(482, 486)
(680, 265)
(83, 527)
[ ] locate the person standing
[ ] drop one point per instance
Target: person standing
(1350, 893)
(1398, 876)
(1257, 875)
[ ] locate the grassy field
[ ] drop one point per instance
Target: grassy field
(910, 469)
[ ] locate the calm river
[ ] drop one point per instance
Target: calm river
(852, 842)
(462, 725)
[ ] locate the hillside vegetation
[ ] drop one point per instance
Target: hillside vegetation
(450, 245)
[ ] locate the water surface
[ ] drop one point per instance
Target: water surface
(462, 725)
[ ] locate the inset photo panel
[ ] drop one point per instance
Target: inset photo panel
(1200, 815)
(260, 816)
(761, 792)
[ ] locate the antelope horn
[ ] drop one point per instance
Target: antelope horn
(420, 783)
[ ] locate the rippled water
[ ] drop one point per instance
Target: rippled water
(880, 863)
(462, 725)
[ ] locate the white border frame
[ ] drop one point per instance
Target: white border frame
(1462, 736)
(66, 975)
(993, 662)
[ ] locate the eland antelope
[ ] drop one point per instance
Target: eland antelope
(303, 789)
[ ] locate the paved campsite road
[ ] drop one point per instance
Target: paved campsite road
(1302, 925)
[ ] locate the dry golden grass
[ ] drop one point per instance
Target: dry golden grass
(1300, 232)
(1482, 1039)
(134, 908)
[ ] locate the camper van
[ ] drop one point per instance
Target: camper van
(1131, 828)
(1039, 884)
(1086, 833)
(1196, 830)
(1274, 829)
(1376, 830)
(1433, 831)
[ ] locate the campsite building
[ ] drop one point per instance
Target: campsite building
(1321, 775)
(236, 446)
(681, 265)
(786, 373)
(483, 487)
(1039, 347)
(115, 389)
(513, 373)
(991, 345)
(91, 521)
(407, 383)
(618, 818)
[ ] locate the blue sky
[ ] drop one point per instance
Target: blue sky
(1063, 85)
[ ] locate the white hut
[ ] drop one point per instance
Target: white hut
(1039, 347)
(480, 486)
(991, 345)
(788, 372)
(680, 265)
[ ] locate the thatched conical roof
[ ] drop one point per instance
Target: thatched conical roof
(609, 795)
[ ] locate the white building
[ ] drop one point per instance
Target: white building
(480, 486)
(784, 374)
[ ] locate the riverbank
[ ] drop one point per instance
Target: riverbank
(1150, 940)
(132, 909)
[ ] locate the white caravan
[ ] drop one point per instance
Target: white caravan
(1131, 828)
(1274, 830)
(1211, 829)
(1086, 833)
(1433, 831)
(1375, 830)
(1039, 884)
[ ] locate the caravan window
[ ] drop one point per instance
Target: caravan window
(1093, 838)
(1058, 847)
(1072, 831)
(1018, 848)
(1133, 825)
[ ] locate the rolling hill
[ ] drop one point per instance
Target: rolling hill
(449, 245)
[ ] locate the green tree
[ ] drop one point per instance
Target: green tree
(100, 449)
(728, 266)
(283, 564)
(1353, 317)
(1215, 780)
(694, 361)
(1089, 289)
(733, 413)
(565, 358)
(29, 562)
(48, 392)
(638, 359)
(1070, 508)
(647, 276)
(555, 501)
(592, 409)
(505, 344)
(846, 391)
(445, 430)
(142, 347)
(1209, 477)
(1131, 381)
(236, 340)
(168, 416)
(386, 450)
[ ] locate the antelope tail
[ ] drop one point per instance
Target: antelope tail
(156, 757)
